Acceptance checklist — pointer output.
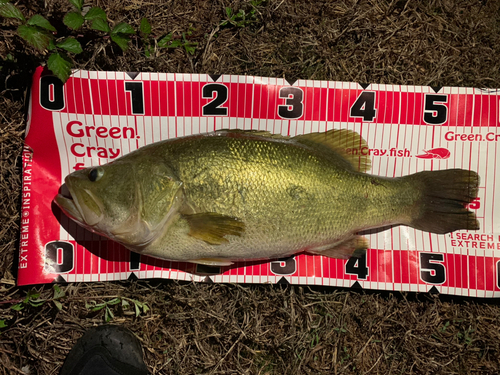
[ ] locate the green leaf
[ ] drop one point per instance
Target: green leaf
(73, 20)
(229, 12)
(58, 305)
(100, 25)
(51, 46)
(98, 307)
(190, 48)
(32, 295)
(145, 27)
(8, 10)
(114, 301)
(163, 42)
(37, 302)
(77, 3)
(60, 65)
(71, 45)
(121, 40)
(18, 307)
(175, 44)
(58, 292)
(137, 310)
(36, 36)
(123, 28)
(145, 308)
(108, 316)
(38, 20)
(2, 323)
(125, 304)
(95, 13)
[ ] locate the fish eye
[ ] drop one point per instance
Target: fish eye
(95, 174)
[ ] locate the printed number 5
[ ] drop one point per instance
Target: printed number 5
(293, 108)
(431, 270)
(435, 112)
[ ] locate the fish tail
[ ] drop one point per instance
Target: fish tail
(444, 198)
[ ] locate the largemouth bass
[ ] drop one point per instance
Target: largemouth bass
(236, 195)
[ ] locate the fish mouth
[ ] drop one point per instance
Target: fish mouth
(65, 202)
(79, 205)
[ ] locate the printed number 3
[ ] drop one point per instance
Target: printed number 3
(293, 108)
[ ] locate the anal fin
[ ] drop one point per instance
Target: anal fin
(214, 262)
(355, 246)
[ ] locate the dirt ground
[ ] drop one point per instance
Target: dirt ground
(257, 329)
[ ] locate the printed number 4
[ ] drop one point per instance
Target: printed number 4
(364, 106)
(358, 267)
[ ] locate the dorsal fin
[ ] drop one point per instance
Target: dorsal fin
(346, 143)
(255, 132)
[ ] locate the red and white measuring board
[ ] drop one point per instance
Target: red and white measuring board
(96, 117)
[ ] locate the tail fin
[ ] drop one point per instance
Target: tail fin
(444, 198)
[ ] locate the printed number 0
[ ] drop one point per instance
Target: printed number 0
(213, 108)
(285, 266)
(431, 270)
(62, 263)
(293, 108)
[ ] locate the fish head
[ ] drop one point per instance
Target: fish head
(126, 201)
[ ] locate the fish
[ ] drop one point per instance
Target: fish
(237, 195)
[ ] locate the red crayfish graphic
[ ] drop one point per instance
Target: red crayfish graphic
(435, 153)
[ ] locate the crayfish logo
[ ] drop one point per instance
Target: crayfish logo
(435, 153)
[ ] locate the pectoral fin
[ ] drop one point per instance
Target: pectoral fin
(212, 227)
(353, 247)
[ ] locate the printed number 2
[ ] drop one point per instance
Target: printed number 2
(293, 108)
(431, 270)
(435, 112)
(357, 266)
(213, 108)
(364, 106)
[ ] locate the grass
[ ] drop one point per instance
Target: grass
(230, 329)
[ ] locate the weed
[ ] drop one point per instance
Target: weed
(125, 304)
(40, 33)
(241, 18)
(33, 299)
(168, 41)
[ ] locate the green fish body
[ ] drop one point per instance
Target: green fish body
(246, 195)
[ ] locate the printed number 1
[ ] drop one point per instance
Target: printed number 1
(136, 97)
